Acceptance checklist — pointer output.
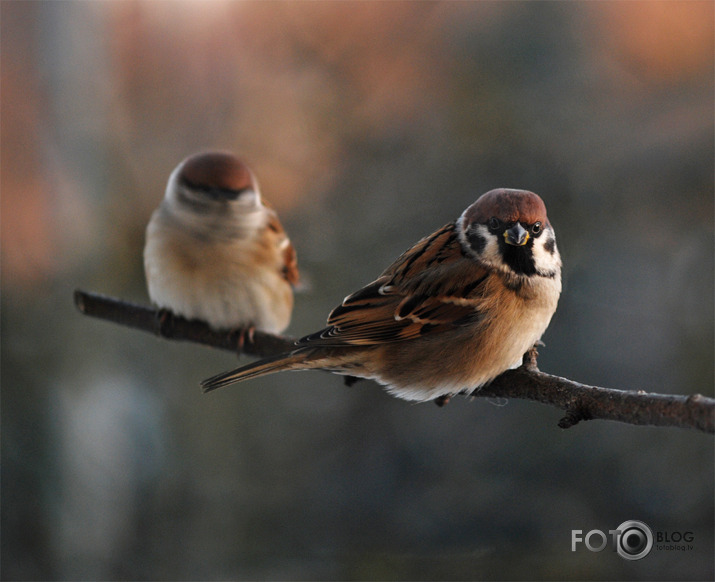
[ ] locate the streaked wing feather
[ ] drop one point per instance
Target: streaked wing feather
(430, 288)
(289, 258)
(290, 267)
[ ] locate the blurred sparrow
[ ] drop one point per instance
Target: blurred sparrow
(449, 315)
(216, 253)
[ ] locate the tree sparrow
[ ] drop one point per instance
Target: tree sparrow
(215, 252)
(449, 315)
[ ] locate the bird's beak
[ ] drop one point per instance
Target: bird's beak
(516, 235)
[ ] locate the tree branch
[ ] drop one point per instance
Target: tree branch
(579, 401)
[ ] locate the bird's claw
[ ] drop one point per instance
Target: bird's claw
(164, 323)
(242, 334)
(442, 400)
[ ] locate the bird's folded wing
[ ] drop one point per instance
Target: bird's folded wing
(431, 288)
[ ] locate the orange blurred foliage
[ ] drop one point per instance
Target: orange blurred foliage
(660, 41)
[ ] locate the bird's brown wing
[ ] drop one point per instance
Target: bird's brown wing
(430, 288)
(289, 260)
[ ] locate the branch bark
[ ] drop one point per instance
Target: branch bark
(579, 401)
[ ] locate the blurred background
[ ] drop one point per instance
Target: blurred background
(369, 125)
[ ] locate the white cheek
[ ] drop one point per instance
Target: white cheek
(544, 261)
(491, 249)
(490, 253)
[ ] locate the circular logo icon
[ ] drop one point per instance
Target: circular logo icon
(635, 540)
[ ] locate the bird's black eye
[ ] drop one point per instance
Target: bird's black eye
(536, 228)
(494, 224)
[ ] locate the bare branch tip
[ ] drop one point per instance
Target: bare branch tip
(575, 413)
(566, 422)
(79, 297)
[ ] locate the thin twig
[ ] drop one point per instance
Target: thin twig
(168, 326)
(579, 401)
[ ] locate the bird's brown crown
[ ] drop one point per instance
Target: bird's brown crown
(216, 170)
(508, 206)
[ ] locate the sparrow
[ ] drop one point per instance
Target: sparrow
(215, 252)
(449, 315)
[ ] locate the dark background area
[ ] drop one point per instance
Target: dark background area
(369, 125)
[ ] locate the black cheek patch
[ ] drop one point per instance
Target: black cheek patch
(476, 241)
(550, 245)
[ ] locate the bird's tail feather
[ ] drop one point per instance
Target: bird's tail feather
(252, 370)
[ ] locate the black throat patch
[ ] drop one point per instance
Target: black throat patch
(519, 259)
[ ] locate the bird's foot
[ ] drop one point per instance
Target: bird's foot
(164, 323)
(530, 357)
(243, 334)
(442, 400)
